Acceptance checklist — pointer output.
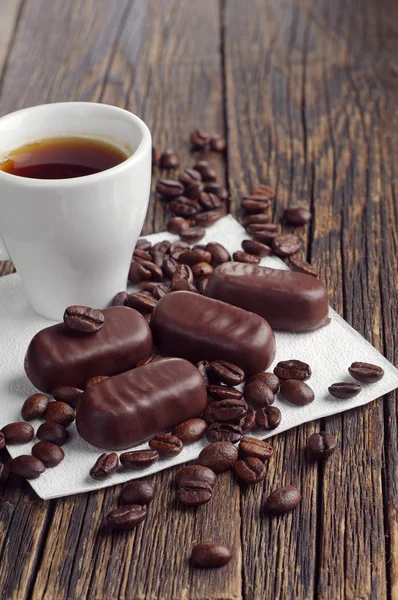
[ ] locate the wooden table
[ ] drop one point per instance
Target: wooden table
(306, 92)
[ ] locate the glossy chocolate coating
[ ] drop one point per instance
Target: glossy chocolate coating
(131, 408)
(58, 355)
(199, 328)
(288, 300)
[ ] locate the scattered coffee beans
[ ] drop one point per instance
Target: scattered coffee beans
(105, 466)
(248, 421)
(286, 244)
(365, 372)
(182, 272)
(252, 447)
(268, 417)
(210, 555)
(137, 492)
(141, 255)
(216, 188)
(83, 319)
(52, 432)
(177, 224)
(219, 254)
(265, 236)
(166, 444)
(218, 143)
(344, 390)
(220, 392)
(228, 373)
(192, 257)
(263, 190)
(126, 517)
(59, 412)
(27, 466)
(296, 215)
(206, 219)
(255, 248)
(254, 207)
(199, 139)
(34, 407)
(225, 411)
(256, 219)
(250, 471)
(184, 207)
(193, 235)
(282, 500)
(293, 369)
(195, 473)
(139, 459)
(202, 269)
(257, 393)
(209, 201)
(49, 454)
(169, 160)
(68, 394)
(143, 244)
(321, 445)
(138, 273)
(269, 379)
(297, 392)
(191, 430)
(140, 302)
(224, 432)
(194, 493)
(201, 284)
(244, 257)
(169, 188)
(218, 456)
(302, 266)
(18, 433)
(208, 174)
(161, 290)
(189, 176)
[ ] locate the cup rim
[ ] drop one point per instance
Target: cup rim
(144, 146)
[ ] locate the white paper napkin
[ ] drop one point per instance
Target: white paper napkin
(329, 351)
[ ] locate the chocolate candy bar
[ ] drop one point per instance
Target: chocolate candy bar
(199, 328)
(288, 300)
(58, 355)
(129, 409)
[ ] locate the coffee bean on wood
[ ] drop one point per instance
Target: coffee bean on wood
(282, 500)
(296, 216)
(321, 445)
(194, 493)
(189, 176)
(301, 266)
(263, 190)
(199, 139)
(195, 473)
(137, 492)
(210, 555)
(219, 456)
(286, 244)
(208, 174)
(126, 517)
(184, 207)
(251, 470)
(256, 219)
(250, 446)
(218, 143)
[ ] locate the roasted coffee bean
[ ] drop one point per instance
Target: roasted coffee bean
(210, 555)
(137, 492)
(217, 189)
(162, 246)
(191, 257)
(293, 369)
(169, 160)
(34, 407)
(258, 198)
(297, 392)
(18, 432)
(195, 473)
(194, 493)
(83, 319)
(161, 290)
(189, 176)
(185, 207)
(169, 266)
(321, 445)
(250, 471)
(265, 236)
(166, 444)
(248, 421)
(177, 224)
(27, 466)
(193, 235)
(199, 139)
(301, 266)
(169, 188)
(204, 368)
(251, 247)
(225, 411)
(254, 207)
(296, 215)
(226, 372)
(105, 466)
(191, 430)
(67, 393)
(255, 228)
(282, 500)
(271, 227)
(208, 174)
(126, 517)
(141, 254)
(149, 286)
(257, 393)
(209, 201)
(201, 284)
(268, 417)
(263, 190)
(59, 412)
(269, 379)
(49, 454)
(119, 299)
(224, 432)
(143, 244)
(260, 218)
(184, 286)
(218, 456)
(220, 392)
(154, 269)
(218, 252)
(218, 143)
(202, 269)
(141, 302)
(193, 191)
(365, 372)
(2, 440)
(244, 257)
(139, 459)
(250, 446)
(155, 155)
(97, 379)
(206, 219)
(286, 244)
(182, 272)
(52, 432)
(138, 273)
(177, 246)
(344, 390)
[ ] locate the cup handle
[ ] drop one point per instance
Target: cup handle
(3, 252)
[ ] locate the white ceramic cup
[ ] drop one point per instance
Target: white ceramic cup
(72, 239)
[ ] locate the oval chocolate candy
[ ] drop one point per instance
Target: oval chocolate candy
(198, 328)
(289, 300)
(57, 355)
(130, 408)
